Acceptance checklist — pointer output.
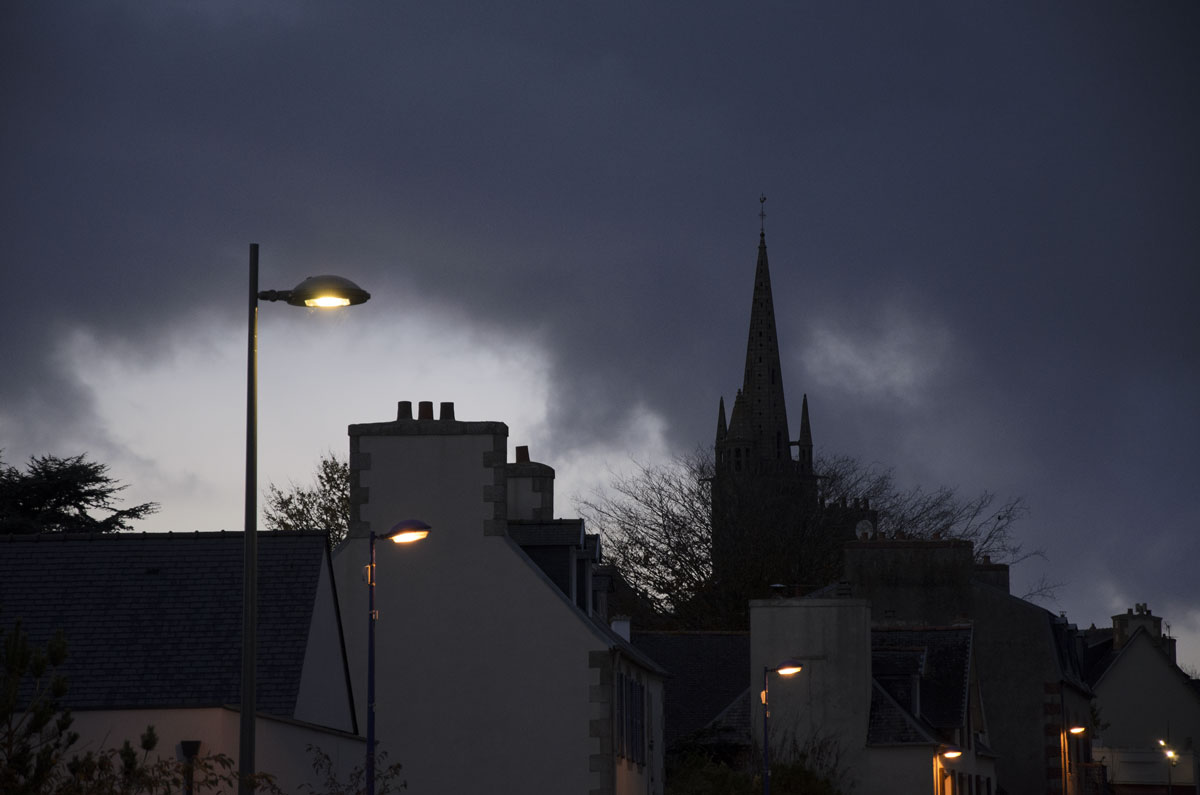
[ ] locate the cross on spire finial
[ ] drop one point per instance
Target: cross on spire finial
(762, 214)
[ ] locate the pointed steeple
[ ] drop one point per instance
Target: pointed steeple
(805, 443)
(721, 427)
(760, 414)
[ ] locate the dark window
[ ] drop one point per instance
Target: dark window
(629, 719)
(637, 722)
(619, 717)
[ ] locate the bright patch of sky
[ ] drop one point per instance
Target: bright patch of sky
(179, 439)
(895, 357)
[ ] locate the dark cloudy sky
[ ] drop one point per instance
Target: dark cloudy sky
(982, 223)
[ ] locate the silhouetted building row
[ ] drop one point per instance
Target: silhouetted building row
(922, 673)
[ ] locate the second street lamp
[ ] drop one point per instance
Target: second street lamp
(788, 667)
(316, 291)
(404, 532)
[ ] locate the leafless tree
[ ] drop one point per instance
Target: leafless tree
(656, 524)
(324, 505)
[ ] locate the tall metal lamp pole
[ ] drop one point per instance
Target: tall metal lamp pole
(315, 291)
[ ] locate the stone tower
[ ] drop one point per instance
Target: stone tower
(768, 524)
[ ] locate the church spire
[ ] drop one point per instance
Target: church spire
(759, 414)
(805, 442)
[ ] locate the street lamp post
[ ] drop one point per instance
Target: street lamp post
(1172, 760)
(788, 667)
(315, 291)
(404, 532)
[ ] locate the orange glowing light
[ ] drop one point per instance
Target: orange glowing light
(409, 536)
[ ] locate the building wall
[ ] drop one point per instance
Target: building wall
(924, 582)
(905, 769)
(1144, 771)
(827, 704)
(639, 771)
(324, 696)
(488, 678)
(1021, 672)
(1027, 704)
(281, 745)
(1143, 697)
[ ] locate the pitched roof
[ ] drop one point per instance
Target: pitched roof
(892, 724)
(708, 672)
(154, 619)
(1102, 658)
(926, 671)
(554, 532)
(731, 726)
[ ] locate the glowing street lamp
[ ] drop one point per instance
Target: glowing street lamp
(1172, 760)
(315, 291)
(405, 532)
(788, 667)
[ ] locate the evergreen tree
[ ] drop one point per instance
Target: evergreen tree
(64, 495)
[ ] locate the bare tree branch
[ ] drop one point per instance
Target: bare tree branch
(324, 505)
(657, 524)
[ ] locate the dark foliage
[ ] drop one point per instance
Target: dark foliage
(325, 505)
(657, 530)
(64, 495)
(34, 732)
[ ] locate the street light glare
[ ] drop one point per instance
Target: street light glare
(952, 753)
(1077, 729)
(409, 536)
(789, 667)
(327, 301)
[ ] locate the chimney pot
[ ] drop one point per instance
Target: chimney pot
(523, 454)
(447, 411)
(404, 410)
(425, 410)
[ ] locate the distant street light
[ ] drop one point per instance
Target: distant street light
(1172, 760)
(788, 667)
(315, 291)
(405, 532)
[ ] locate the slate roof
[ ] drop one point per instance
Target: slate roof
(154, 619)
(555, 532)
(731, 726)
(708, 673)
(892, 724)
(926, 673)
